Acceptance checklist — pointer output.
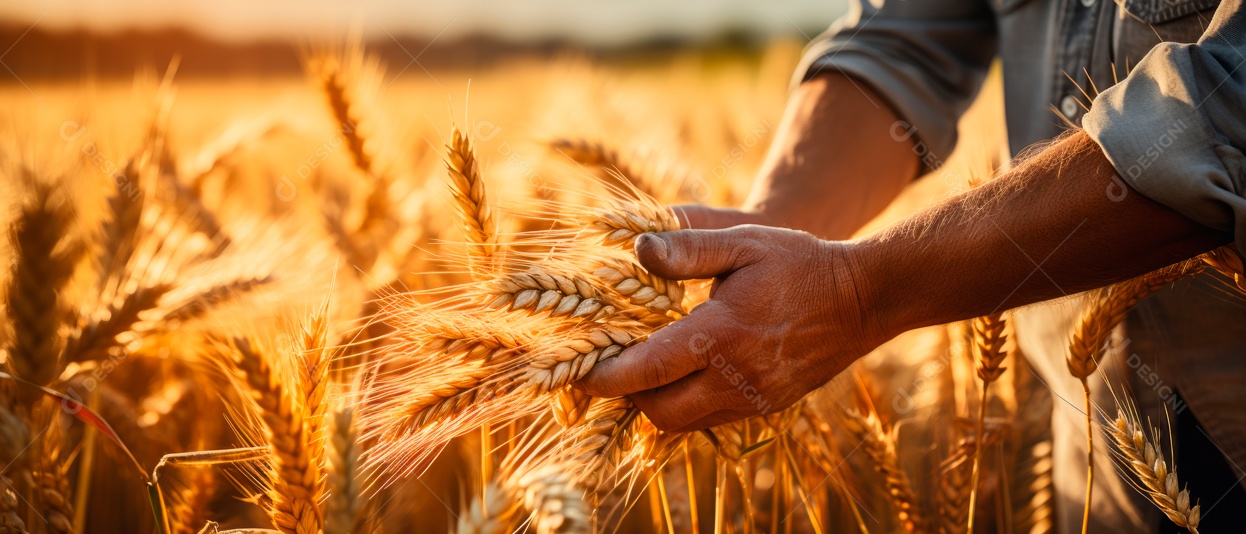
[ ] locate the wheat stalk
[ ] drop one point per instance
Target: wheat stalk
(468, 188)
(988, 337)
(1141, 454)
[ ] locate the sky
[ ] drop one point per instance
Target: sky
(591, 21)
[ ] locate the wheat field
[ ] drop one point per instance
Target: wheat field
(355, 302)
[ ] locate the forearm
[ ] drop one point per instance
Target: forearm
(1058, 224)
(835, 162)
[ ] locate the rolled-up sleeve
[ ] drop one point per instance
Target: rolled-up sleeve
(1175, 128)
(927, 58)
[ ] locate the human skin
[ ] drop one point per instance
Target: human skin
(793, 304)
(819, 175)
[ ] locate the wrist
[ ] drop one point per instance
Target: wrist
(855, 300)
(888, 288)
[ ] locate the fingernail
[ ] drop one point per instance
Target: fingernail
(654, 243)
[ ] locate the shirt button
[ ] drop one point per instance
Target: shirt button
(1088, 3)
(1069, 106)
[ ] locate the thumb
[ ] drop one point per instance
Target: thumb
(691, 254)
(707, 218)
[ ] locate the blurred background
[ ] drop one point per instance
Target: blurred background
(71, 38)
(302, 145)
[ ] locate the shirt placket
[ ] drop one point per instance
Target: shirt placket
(1076, 39)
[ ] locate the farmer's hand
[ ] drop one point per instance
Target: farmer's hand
(785, 316)
(699, 217)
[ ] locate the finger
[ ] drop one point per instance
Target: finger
(688, 254)
(668, 355)
(712, 420)
(694, 402)
(669, 417)
(694, 216)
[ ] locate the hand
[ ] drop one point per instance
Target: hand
(699, 217)
(785, 315)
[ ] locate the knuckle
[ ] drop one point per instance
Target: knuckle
(656, 373)
(752, 232)
(749, 245)
(695, 240)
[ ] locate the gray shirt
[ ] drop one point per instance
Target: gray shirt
(1174, 127)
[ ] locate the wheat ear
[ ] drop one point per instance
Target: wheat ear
(468, 188)
(952, 499)
(988, 337)
(881, 449)
(569, 406)
(598, 442)
(1141, 455)
(497, 512)
(641, 288)
(336, 87)
(482, 361)
(313, 359)
(101, 332)
(345, 506)
(542, 291)
(187, 508)
(1226, 260)
(10, 519)
(1035, 512)
(619, 225)
(45, 262)
(571, 360)
(120, 230)
(337, 84)
(294, 477)
(51, 477)
(554, 500)
(1108, 309)
(622, 180)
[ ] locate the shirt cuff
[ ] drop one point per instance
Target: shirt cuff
(1154, 129)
